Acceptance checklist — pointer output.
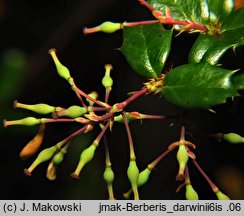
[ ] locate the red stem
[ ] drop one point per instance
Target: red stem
(182, 134)
(58, 120)
(212, 185)
(140, 23)
(97, 109)
(159, 158)
(143, 2)
(168, 20)
(99, 137)
(131, 145)
(89, 97)
(187, 176)
(72, 135)
(137, 94)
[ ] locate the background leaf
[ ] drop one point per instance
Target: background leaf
(210, 49)
(220, 8)
(146, 48)
(198, 86)
(238, 81)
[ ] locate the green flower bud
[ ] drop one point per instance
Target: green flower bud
(38, 108)
(233, 138)
(109, 27)
(73, 111)
(46, 154)
(221, 196)
(119, 118)
(191, 194)
(94, 95)
(143, 177)
(108, 175)
(43, 156)
(182, 157)
(107, 81)
(29, 121)
(133, 172)
(61, 69)
(58, 158)
(133, 175)
(85, 157)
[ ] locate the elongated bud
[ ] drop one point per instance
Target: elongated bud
(37, 108)
(233, 138)
(62, 70)
(144, 176)
(182, 157)
(29, 121)
(33, 146)
(133, 175)
(107, 81)
(59, 157)
(119, 118)
(108, 175)
(72, 112)
(85, 157)
(142, 179)
(94, 95)
(51, 171)
(107, 27)
(43, 156)
(221, 196)
(191, 194)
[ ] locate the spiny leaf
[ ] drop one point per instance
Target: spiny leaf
(210, 49)
(198, 86)
(146, 48)
(197, 11)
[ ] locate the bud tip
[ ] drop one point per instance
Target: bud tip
(15, 104)
(74, 176)
(108, 66)
(180, 177)
(5, 123)
(27, 172)
(51, 50)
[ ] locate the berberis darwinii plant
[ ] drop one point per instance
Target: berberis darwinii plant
(199, 84)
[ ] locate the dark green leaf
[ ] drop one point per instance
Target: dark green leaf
(198, 86)
(210, 49)
(197, 10)
(234, 21)
(146, 48)
(220, 8)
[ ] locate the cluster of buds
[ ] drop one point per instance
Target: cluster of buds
(93, 112)
(90, 113)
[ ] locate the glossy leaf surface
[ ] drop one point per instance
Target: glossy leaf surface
(146, 48)
(199, 11)
(198, 86)
(210, 49)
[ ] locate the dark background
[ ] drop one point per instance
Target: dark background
(28, 29)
